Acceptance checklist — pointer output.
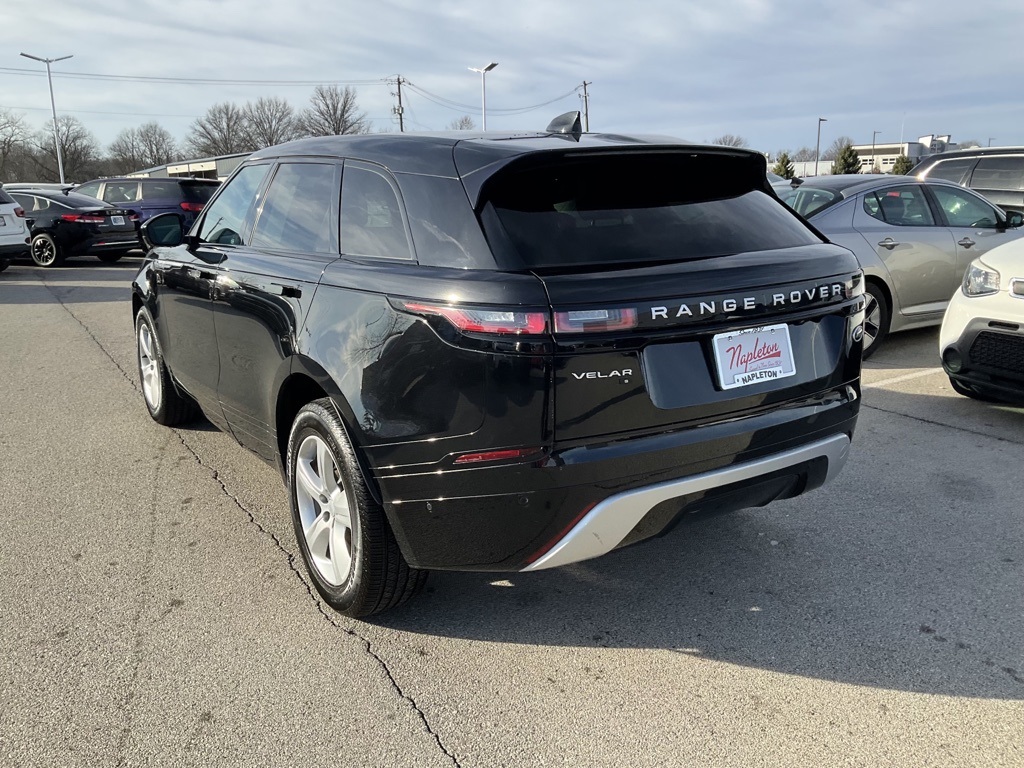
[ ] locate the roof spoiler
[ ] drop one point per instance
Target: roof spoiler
(568, 123)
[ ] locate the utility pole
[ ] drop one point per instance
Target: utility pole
(586, 107)
(399, 110)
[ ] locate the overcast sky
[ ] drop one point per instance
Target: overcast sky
(764, 70)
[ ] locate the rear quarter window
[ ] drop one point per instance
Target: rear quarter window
(607, 211)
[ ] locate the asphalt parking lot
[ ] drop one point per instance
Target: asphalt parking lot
(154, 611)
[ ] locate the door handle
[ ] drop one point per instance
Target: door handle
(966, 242)
(888, 243)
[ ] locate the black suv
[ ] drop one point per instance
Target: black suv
(995, 172)
(503, 352)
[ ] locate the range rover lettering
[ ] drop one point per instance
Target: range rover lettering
(503, 352)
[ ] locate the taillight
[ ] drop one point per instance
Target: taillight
(83, 218)
(503, 455)
(19, 212)
(595, 320)
(480, 320)
(133, 216)
(191, 207)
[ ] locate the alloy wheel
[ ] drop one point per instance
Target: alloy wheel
(872, 321)
(149, 365)
(43, 252)
(324, 512)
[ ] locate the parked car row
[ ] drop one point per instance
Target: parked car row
(99, 218)
(914, 240)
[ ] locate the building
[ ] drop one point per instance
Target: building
(882, 155)
(202, 168)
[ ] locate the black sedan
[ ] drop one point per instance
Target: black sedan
(65, 224)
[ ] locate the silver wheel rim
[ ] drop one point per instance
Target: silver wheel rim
(872, 321)
(323, 511)
(43, 251)
(149, 367)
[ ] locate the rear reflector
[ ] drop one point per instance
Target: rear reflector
(595, 320)
(479, 320)
(514, 453)
(83, 218)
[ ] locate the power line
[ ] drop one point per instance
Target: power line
(186, 80)
(460, 107)
(97, 112)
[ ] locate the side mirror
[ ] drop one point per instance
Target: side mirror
(163, 230)
(1014, 219)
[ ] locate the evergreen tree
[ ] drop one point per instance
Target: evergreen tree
(847, 161)
(902, 166)
(784, 166)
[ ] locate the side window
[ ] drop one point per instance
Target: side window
(155, 189)
(297, 210)
(118, 192)
(903, 206)
(951, 170)
(91, 190)
(31, 202)
(999, 172)
(371, 215)
(963, 209)
(225, 216)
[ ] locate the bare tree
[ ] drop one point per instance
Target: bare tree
(332, 111)
(223, 130)
(803, 155)
(159, 146)
(464, 123)
(730, 140)
(79, 151)
(13, 136)
(142, 147)
(271, 121)
(836, 148)
(968, 143)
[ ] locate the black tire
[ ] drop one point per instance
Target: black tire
(377, 577)
(46, 252)
(109, 258)
(877, 316)
(163, 401)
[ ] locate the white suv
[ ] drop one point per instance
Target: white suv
(14, 239)
(982, 336)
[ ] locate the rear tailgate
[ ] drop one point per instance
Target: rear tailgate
(682, 290)
(668, 369)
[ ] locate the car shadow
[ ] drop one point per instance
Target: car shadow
(903, 574)
(907, 349)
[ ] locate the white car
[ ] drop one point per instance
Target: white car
(982, 336)
(14, 239)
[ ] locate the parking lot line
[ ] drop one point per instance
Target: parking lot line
(904, 377)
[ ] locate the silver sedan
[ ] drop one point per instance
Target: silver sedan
(914, 239)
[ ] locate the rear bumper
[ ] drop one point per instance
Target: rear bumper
(13, 250)
(585, 499)
(609, 524)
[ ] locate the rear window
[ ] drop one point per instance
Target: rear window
(5, 198)
(808, 201)
(198, 193)
(635, 209)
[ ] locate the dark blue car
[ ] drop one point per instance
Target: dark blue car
(148, 197)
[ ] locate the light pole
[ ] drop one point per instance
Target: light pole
(873, 134)
(483, 89)
(817, 147)
(53, 108)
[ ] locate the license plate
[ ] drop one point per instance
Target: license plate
(753, 355)
(117, 220)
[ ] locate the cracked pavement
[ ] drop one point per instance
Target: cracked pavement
(154, 610)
